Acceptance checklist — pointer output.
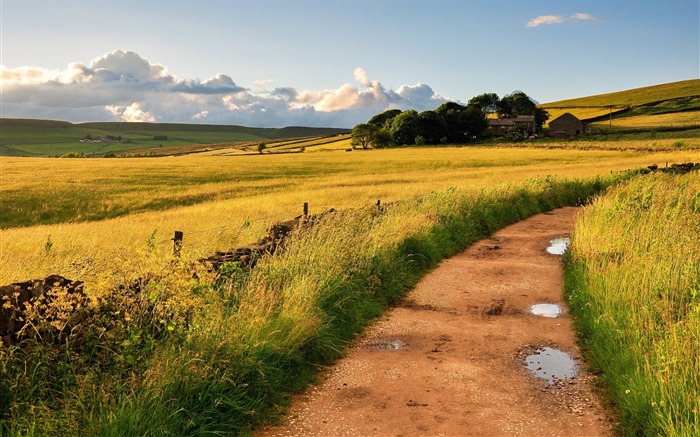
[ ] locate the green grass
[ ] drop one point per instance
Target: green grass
(670, 98)
(634, 97)
(633, 286)
(203, 356)
(24, 137)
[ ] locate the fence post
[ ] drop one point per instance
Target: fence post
(177, 243)
(306, 209)
(379, 204)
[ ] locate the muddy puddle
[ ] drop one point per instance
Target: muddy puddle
(388, 345)
(551, 364)
(546, 310)
(558, 246)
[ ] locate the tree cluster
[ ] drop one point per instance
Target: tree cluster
(450, 123)
(512, 106)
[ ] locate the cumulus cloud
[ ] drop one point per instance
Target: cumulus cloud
(558, 19)
(132, 113)
(545, 19)
(123, 86)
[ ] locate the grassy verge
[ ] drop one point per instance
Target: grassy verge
(633, 286)
(196, 356)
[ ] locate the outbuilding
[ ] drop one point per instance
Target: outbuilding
(568, 125)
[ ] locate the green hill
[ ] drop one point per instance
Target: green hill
(638, 103)
(26, 137)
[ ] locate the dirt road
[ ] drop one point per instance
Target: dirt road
(450, 359)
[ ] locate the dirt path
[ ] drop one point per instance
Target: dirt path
(449, 359)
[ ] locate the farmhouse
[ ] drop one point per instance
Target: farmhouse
(500, 126)
(568, 125)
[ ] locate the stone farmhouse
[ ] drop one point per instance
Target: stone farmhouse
(500, 126)
(568, 125)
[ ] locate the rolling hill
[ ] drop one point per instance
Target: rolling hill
(26, 137)
(640, 105)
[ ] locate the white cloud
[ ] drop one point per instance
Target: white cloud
(132, 113)
(123, 86)
(558, 19)
(545, 19)
(128, 65)
(583, 17)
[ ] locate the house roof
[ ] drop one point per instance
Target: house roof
(565, 116)
(507, 121)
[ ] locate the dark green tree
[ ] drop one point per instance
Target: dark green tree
(487, 102)
(404, 128)
(450, 113)
(472, 122)
(383, 120)
(520, 104)
(382, 139)
(431, 127)
(461, 122)
(363, 134)
(541, 116)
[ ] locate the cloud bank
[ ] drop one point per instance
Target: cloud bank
(123, 86)
(558, 19)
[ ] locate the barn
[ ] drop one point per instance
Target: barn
(568, 125)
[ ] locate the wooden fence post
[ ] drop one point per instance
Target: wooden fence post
(379, 204)
(306, 209)
(177, 243)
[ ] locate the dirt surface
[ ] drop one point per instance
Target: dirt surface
(450, 358)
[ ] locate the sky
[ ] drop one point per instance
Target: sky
(326, 63)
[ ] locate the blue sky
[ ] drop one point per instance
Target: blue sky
(327, 63)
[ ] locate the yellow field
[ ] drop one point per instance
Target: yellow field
(582, 113)
(237, 198)
(689, 118)
(650, 145)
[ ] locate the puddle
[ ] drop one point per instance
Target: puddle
(559, 245)
(551, 364)
(388, 345)
(546, 310)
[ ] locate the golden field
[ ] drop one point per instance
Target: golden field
(122, 212)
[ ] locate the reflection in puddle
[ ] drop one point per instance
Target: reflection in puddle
(545, 310)
(389, 345)
(550, 364)
(559, 245)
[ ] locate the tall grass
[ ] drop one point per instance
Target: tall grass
(108, 213)
(220, 356)
(633, 285)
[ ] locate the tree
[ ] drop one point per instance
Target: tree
(431, 127)
(382, 139)
(472, 122)
(520, 104)
(541, 116)
(450, 113)
(516, 104)
(384, 119)
(487, 102)
(363, 134)
(404, 127)
(261, 147)
(461, 122)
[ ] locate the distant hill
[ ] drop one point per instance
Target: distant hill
(27, 137)
(639, 105)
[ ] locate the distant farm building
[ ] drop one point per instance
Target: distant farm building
(568, 125)
(500, 126)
